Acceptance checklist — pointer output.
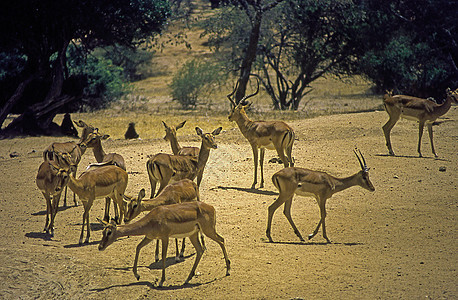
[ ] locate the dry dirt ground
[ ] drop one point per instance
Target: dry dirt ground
(398, 242)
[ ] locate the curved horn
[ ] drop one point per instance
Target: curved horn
(233, 92)
(363, 166)
(251, 95)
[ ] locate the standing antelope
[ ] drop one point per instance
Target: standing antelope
(320, 185)
(181, 191)
(417, 109)
(99, 182)
(51, 179)
(164, 167)
(262, 135)
(74, 150)
(171, 136)
(170, 221)
(105, 159)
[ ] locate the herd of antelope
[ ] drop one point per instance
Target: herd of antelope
(175, 210)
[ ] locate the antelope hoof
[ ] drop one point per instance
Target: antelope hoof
(80, 242)
(177, 259)
(161, 283)
(311, 236)
(137, 276)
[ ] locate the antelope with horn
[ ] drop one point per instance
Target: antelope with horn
(181, 191)
(321, 185)
(165, 167)
(262, 135)
(423, 111)
(170, 221)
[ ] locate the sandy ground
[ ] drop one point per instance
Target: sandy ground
(398, 242)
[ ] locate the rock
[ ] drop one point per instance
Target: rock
(14, 154)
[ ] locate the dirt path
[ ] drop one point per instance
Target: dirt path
(396, 243)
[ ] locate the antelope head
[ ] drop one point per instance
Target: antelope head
(208, 139)
(238, 109)
(171, 132)
(133, 206)
(60, 176)
(364, 173)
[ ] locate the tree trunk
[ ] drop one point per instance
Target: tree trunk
(37, 119)
(5, 110)
(250, 55)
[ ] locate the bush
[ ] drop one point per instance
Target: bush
(193, 80)
(105, 81)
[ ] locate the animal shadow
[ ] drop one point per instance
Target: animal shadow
(247, 190)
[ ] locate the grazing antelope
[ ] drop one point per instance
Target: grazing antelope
(95, 183)
(74, 150)
(262, 135)
(170, 221)
(51, 179)
(417, 109)
(320, 185)
(164, 167)
(105, 159)
(181, 191)
(171, 136)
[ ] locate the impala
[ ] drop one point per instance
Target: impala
(164, 167)
(181, 191)
(105, 159)
(51, 179)
(320, 185)
(95, 183)
(170, 221)
(171, 136)
(262, 135)
(74, 150)
(417, 109)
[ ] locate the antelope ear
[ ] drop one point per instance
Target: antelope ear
(199, 131)
(80, 123)
(102, 222)
(105, 136)
(141, 195)
(246, 104)
(180, 125)
(217, 131)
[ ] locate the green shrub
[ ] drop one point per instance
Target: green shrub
(105, 80)
(195, 79)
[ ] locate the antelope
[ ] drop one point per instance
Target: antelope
(262, 135)
(171, 136)
(170, 221)
(105, 159)
(50, 180)
(95, 183)
(322, 186)
(164, 167)
(75, 151)
(181, 191)
(417, 109)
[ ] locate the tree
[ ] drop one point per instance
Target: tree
(41, 30)
(412, 46)
(303, 41)
(254, 11)
(298, 42)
